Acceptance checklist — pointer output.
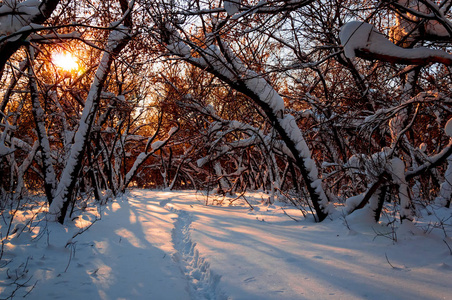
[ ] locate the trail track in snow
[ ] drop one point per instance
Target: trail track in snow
(202, 282)
(143, 248)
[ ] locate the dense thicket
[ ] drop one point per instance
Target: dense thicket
(228, 96)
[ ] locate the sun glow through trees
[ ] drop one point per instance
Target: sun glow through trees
(66, 61)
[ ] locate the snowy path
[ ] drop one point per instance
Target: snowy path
(263, 254)
(168, 245)
(202, 283)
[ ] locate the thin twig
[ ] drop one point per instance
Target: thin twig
(387, 259)
(80, 232)
(450, 250)
(289, 215)
(70, 256)
(32, 288)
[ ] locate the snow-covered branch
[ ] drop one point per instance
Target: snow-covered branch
(143, 156)
(18, 20)
(116, 42)
(363, 40)
(425, 13)
(222, 62)
(238, 9)
(38, 114)
(4, 149)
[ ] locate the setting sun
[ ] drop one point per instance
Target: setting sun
(65, 61)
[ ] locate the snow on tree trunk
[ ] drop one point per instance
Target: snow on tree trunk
(4, 150)
(295, 141)
(231, 70)
(445, 192)
(38, 114)
(73, 164)
(398, 176)
(223, 184)
(173, 182)
(116, 41)
(20, 186)
(118, 148)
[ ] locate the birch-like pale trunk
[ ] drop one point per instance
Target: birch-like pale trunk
(176, 175)
(445, 191)
(20, 186)
(46, 155)
(223, 183)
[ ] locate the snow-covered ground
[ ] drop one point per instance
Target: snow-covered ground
(169, 245)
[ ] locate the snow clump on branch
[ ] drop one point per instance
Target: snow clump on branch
(363, 40)
(448, 128)
(232, 7)
(118, 35)
(175, 44)
(14, 16)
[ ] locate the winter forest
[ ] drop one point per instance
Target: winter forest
(329, 109)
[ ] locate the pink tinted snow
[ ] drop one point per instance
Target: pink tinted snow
(170, 245)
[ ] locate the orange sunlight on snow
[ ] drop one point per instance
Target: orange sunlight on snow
(130, 237)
